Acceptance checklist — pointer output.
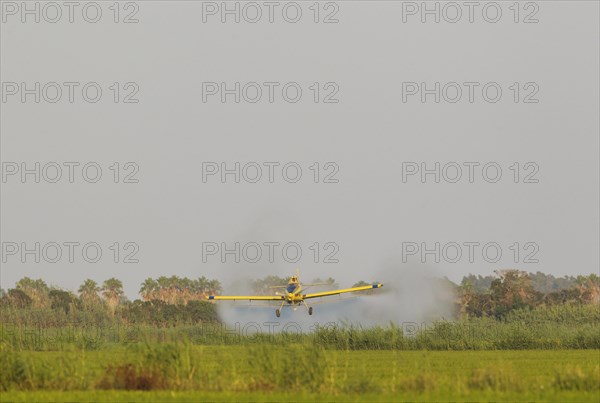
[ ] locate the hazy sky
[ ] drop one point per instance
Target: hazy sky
(369, 207)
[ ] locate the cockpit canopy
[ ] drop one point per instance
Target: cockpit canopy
(292, 284)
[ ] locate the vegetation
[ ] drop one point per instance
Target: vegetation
(513, 289)
(175, 290)
(167, 301)
(509, 341)
(304, 369)
(510, 314)
(558, 327)
(541, 282)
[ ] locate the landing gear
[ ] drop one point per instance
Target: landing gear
(294, 306)
(309, 309)
(278, 311)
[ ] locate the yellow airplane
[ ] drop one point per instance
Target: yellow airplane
(293, 295)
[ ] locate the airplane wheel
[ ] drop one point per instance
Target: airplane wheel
(277, 313)
(310, 310)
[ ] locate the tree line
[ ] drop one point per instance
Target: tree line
(179, 299)
(165, 300)
(509, 290)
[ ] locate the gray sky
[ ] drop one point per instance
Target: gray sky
(370, 61)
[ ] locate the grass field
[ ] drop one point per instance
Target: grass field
(531, 355)
(180, 372)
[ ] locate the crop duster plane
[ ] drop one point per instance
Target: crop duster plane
(293, 295)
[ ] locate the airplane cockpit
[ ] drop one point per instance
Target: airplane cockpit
(292, 284)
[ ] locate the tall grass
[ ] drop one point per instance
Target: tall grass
(25, 371)
(572, 327)
(296, 368)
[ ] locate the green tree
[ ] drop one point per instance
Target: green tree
(112, 290)
(37, 290)
(61, 300)
(149, 289)
(479, 284)
(88, 293)
(512, 290)
(18, 298)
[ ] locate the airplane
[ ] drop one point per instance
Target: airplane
(293, 295)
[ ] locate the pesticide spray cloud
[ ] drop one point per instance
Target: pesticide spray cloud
(409, 295)
(412, 293)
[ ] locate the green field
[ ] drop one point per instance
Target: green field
(545, 354)
(182, 371)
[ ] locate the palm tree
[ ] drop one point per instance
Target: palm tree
(112, 290)
(187, 293)
(88, 292)
(163, 287)
(174, 289)
(202, 285)
(214, 287)
(149, 289)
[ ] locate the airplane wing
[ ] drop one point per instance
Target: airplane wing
(246, 297)
(336, 292)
